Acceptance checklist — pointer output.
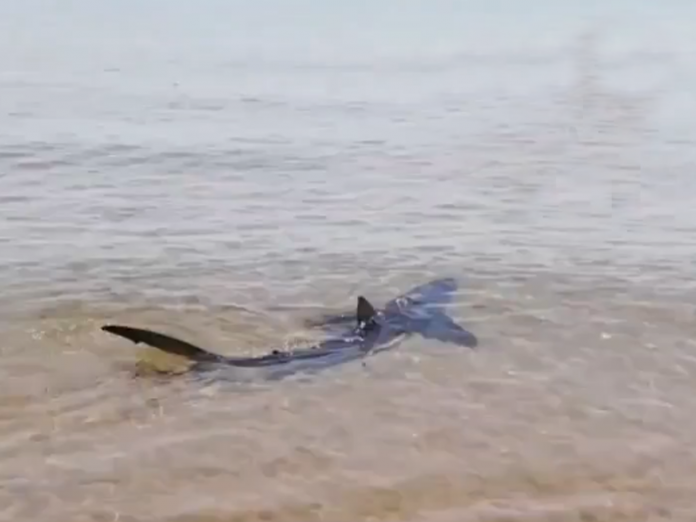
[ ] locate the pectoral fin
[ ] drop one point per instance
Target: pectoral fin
(443, 328)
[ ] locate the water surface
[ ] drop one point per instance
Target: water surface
(222, 171)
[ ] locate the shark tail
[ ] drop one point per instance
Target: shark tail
(163, 342)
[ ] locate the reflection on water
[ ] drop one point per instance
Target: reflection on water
(224, 185)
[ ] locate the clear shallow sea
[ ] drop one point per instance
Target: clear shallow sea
(223, 170)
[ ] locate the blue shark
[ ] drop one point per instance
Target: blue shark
(355, 336)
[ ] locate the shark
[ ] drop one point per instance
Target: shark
(353, 336)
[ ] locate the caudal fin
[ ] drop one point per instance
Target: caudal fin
(163, 342)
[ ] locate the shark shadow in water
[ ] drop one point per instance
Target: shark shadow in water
(355, 336)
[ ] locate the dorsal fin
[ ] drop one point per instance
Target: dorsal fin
(365, 312)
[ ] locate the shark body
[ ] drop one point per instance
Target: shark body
(353, 336)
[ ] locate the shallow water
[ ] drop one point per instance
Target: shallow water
(222, 172)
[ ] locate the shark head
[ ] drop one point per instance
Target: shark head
(419, 311)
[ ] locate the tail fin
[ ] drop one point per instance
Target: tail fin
(163, 342)
(443, 328)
